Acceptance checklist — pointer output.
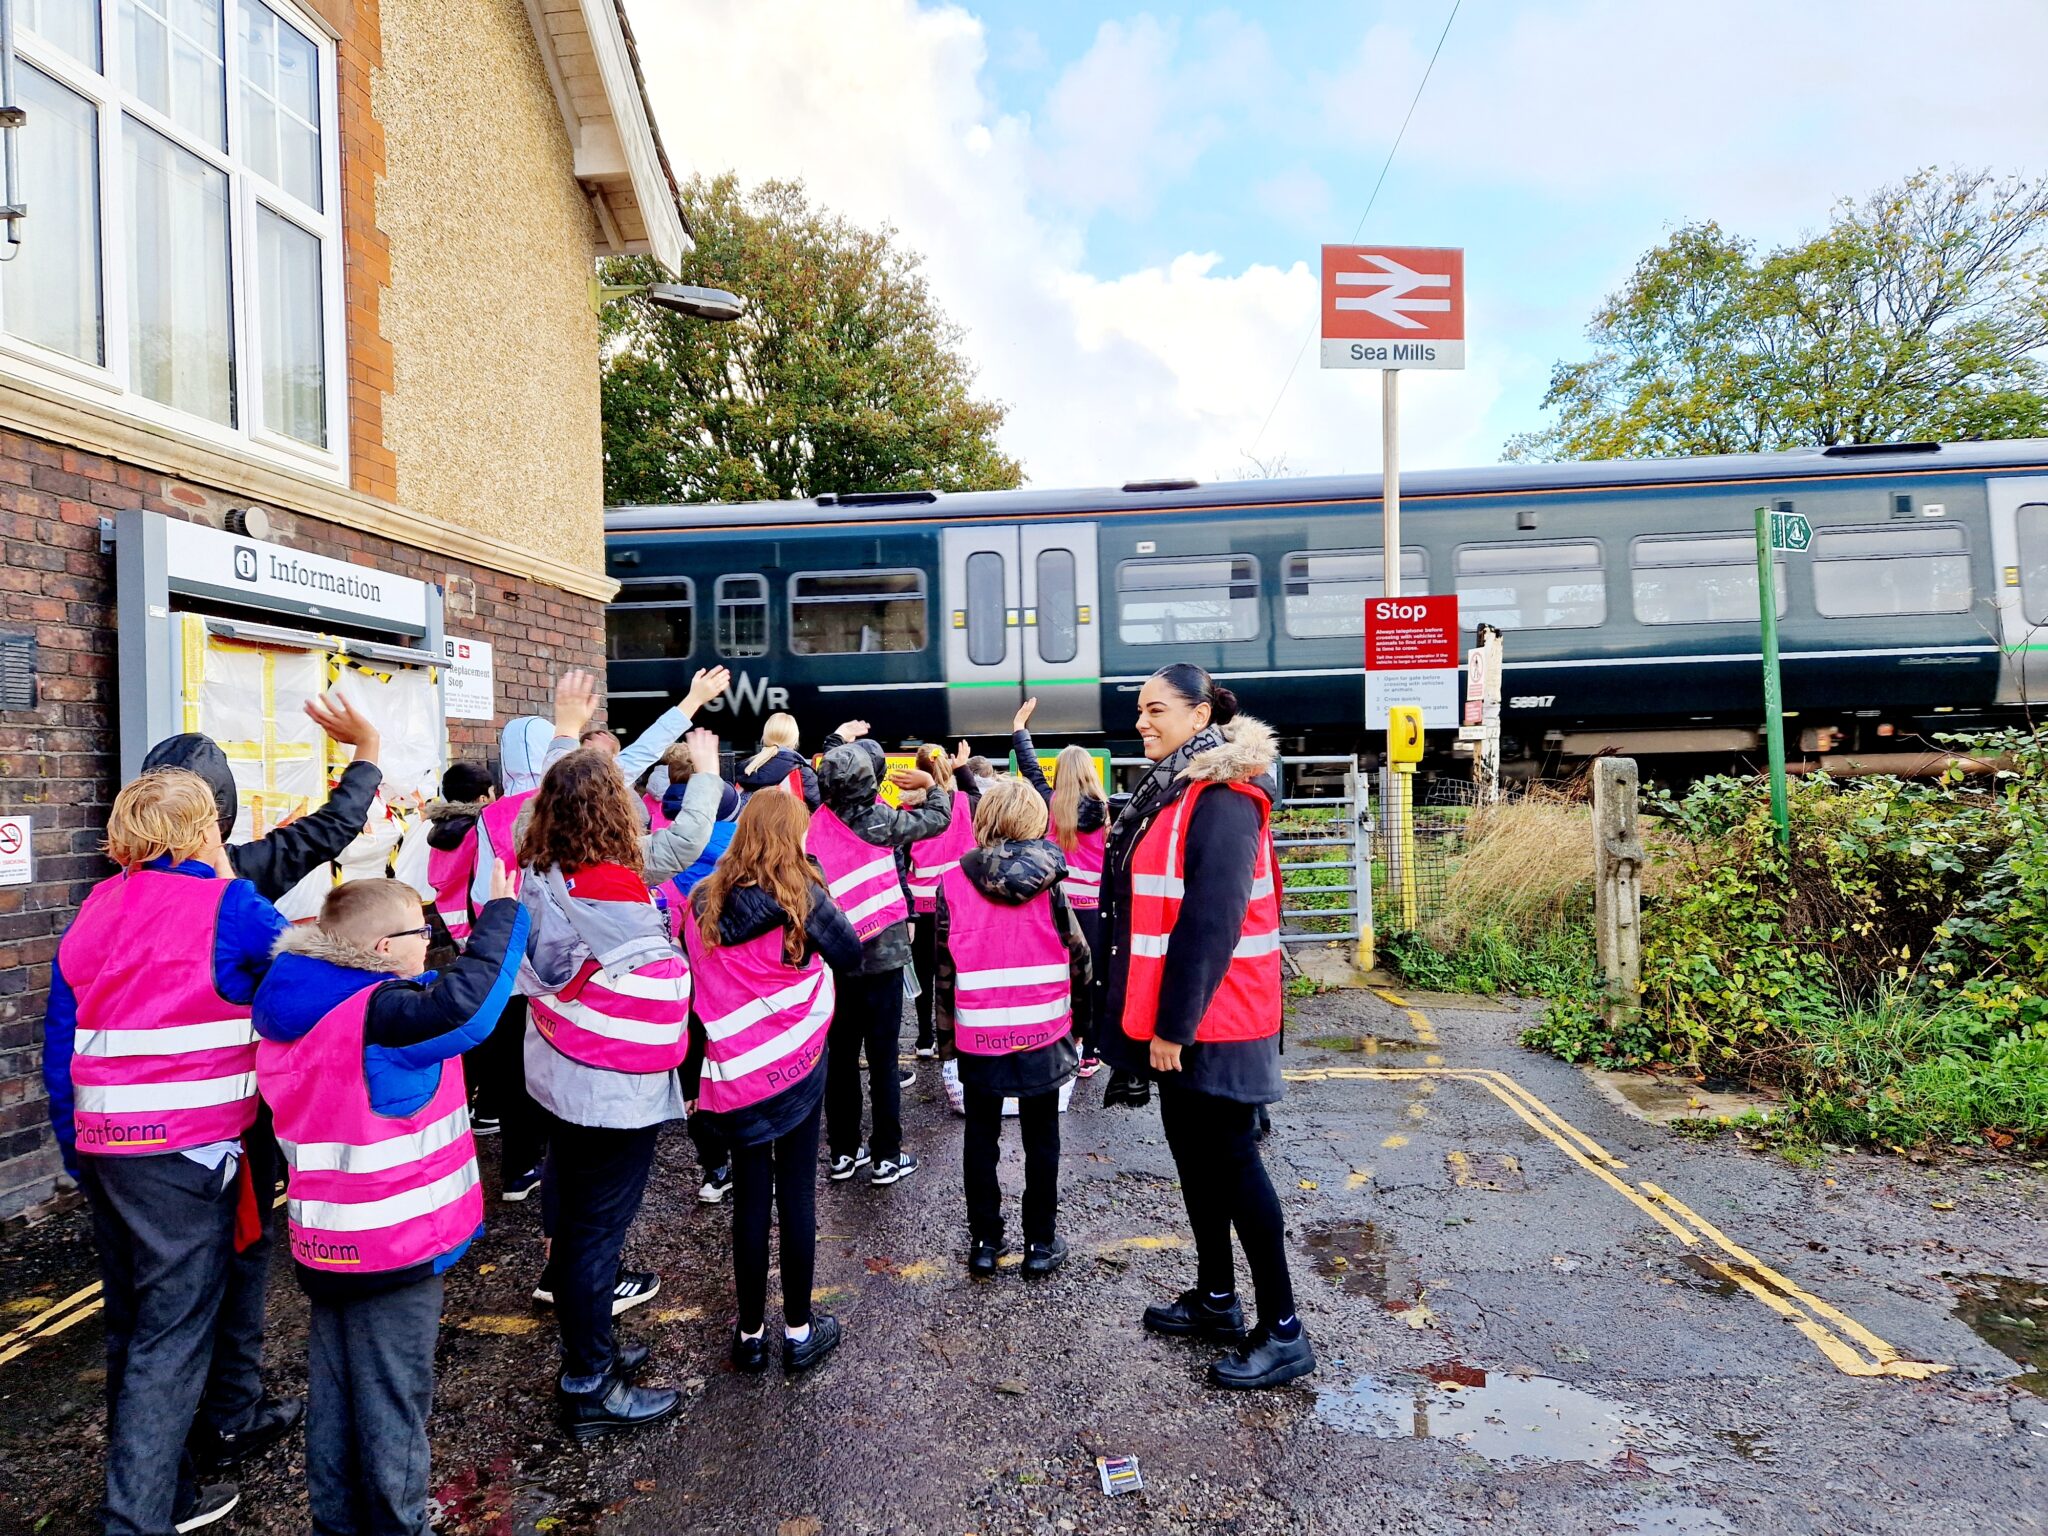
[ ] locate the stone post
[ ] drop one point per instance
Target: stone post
(1617, 883)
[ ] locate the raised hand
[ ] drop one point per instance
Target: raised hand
(707, 685)
(343, 722)
(575, 701)
(960, 756)
(911, 778)
(1023, 716)
(501, 881)
(852, 730)
(703, 749)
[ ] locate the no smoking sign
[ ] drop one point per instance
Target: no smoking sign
(17, 856)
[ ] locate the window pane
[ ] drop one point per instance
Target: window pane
(651, 620)
(1059, 613)
(1532, 586)
(280, 102)
(1699, 581)
(2034, 563)
(1324, 591)
(844, 613)
(52, 286)
(173, 61)
(1882, 572)
(72, 25)
(1166, 602)
(987, 640)
(294, 359)
(743, 615)
(179, 338)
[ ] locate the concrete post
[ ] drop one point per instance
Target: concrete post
(1617, 883)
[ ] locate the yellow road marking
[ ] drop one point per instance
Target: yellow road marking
(1418, 1021)
(1465, 1176)
(51, 1321)
(1391, 1141)
(1162, 1240)
(1358, 1178)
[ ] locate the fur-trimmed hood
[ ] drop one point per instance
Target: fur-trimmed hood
(316, 943)
(1250, 751)
(442, 810)
(314, 973)
(449, 822)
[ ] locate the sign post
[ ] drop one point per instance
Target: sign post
(1775, 531)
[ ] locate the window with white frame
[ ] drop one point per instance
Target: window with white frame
(183, 250)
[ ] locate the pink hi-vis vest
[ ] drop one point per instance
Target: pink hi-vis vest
(160, 1060)
(655, 820)
(626, 1019)
(861, 877)
(1084, 869)
(501, 819)
(935, 855)
(368, 1192)
(1010, 977)
(449, 871)
(764, 1020)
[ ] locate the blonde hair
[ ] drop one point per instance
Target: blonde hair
(364, 911)
(1010, 811)
(169, 811)
(778, 734)
(934, 759)
(1073, 779)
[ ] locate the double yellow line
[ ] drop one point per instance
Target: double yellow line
(1847, 1344)
(50, 1322)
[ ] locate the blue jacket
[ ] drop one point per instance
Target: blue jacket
(243, 940)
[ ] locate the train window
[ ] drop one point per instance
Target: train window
(653, 619)
(1532, 586)
(1171, 602)
(1887, 570)
(849, 613)
(1058, 605)
(1693, 578)
(2033, 527)
(1325, 589)
(988, 642)
(742, 615)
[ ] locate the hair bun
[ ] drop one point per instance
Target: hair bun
(1223, 709)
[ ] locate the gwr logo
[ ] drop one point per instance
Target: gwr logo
(750, 696)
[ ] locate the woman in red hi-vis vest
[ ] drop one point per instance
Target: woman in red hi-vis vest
(1191, 922)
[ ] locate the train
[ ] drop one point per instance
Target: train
(1626, 591)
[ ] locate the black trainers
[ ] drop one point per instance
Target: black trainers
(906, 1077)
(614, 1406)
(981, 1258)
(522, 1187)
(1127, 1088)
(891, 1169)
(216, 1501)
(485, 1125)
(844, 1167)
(633, 1288)
(274, 1418)
(802, 1354)
(1264, 1361)
(716, 1186)
(1041, 1259)
(749, 1355)
(1193, 1315)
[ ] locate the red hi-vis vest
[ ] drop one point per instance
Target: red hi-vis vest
(1011, 986)
(861, 877)
(1247, 1004)
(931, 858)
(1084, 869)
(449, 871)
(369, 1192)
(160, 1060)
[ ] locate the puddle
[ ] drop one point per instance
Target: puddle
(1361, 1258)
(1715, 1276)
(1748, 1445)
(2011, 1315)
(498, 1498)
(1505, 1418)
(1369, 1045)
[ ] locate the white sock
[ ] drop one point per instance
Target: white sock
(796, 1335)
(750, 1337)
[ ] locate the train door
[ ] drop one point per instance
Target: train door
(983, 586)
(1062, 634)
(2019, 543)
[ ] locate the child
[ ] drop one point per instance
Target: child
(466, 788)
(1080, 821)
(778, 765)
(673, 896)
(1011, 956)
(763, 933)
(929, 860)
(153, 982)
(607, 1027)
(360, 1061)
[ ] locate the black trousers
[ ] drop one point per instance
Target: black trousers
(164, 1229)
(782, 1173)
(498, 1068)
(924, 961)
(1087, 1015)
(1038, 1116)
(1224, 1183)
(234, 1382)
(869, 1018)
(713, 1152)
(370, 1369)
(590, 1192)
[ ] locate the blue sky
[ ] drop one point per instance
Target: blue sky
(1123, 204)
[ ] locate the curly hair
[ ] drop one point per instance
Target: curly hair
(582, 815)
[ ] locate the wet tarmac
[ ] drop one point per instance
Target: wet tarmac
(1533, 1313)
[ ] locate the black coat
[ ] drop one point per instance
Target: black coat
(771, 774)
(848, 782)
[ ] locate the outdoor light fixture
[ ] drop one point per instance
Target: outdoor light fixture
(684, 298)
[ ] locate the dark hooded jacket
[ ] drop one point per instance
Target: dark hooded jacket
(750, 912)
(772, 774)
(279, 861)
(1013, 873)
(1222, 845)
(848, 781)
(450, 821)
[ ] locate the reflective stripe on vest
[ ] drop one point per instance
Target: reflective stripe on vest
(161, 1061)
(623, 1021)
(765, 1021)
(450, 871)
(1084, 869)
(1010, 977)
(935, 855)
(1247, 1003)
(500, 821)
(375, 1192)
(861, 877)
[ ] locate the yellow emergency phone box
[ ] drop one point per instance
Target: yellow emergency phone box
(1404, 734)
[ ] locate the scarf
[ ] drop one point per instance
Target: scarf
(1155, 788)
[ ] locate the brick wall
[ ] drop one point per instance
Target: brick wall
(58, 761)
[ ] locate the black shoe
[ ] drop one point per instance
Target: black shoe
(892, 1169)
(216, 1501)
(521, 1187)
(485, 1125)
(750, 1355)
(981, 1259)
(1127, 1088)
(716, 1186)
(1264, 1361)
(614, 1406)
(1193, 1315)
(1041, 1259)
(906, 1077)
(844, 1167)
(274, 1418)
(632, 1359)
(802, 1354)
(633, 1288)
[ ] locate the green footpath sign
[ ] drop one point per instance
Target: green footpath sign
(1791, 530)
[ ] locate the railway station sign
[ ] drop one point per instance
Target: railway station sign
(1791, 530)
(1393, 306)
(1411, 657)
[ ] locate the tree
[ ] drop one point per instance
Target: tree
(843, 375)
(1919, 313)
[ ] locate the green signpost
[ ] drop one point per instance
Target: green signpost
(1775, 531)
